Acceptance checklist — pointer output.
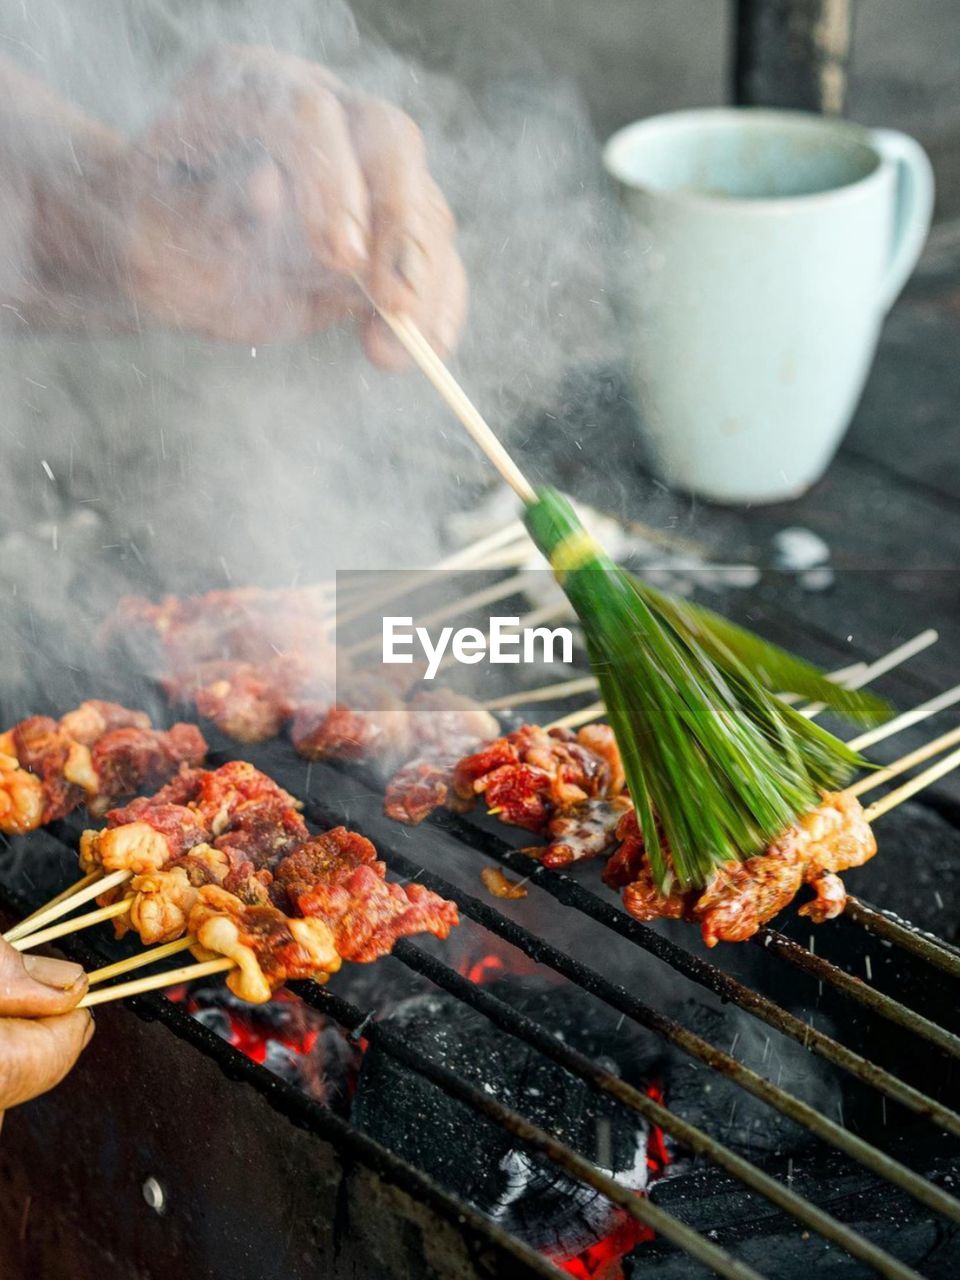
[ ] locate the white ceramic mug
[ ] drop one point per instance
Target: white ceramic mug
(766, 248)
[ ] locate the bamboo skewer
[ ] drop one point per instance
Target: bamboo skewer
(55, 911)
(908, 789)
(138, 961)
(867, 671)
(922, 712)
(932, 748)
(546, 693)
(73, 925)
(157, 981)
(488, 595)
(430, 364)
(492, 552)
(62, 896)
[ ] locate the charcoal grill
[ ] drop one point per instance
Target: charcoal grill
(169, 1150)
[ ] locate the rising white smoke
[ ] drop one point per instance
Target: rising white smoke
(162, 460)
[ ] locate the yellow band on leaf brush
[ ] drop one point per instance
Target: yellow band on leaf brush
(575, 551)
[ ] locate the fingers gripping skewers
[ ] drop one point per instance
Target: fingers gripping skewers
(94, 755)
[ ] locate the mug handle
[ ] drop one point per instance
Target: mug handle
(913, 208)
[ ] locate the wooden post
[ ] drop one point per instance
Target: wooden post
(792, 53)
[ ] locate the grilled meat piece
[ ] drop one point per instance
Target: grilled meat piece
(94, 754)
(528, 777)
(422, 785)
(533, 773)
(337, 878)
(742, 896)
(268, 947)
(368, 721)
(126, 761)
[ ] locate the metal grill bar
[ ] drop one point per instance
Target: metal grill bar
(724, 1063)
(530, 1135)
(532, 1033)
(925, 946)
(786, 949)
(570, 893)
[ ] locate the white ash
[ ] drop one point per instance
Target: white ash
(801, 551)
(797, 549)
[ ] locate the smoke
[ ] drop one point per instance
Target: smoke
(162, 460)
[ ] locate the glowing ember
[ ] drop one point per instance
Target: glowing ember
(602, 1261)
(486, 970)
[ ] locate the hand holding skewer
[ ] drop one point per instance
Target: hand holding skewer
(42, 1032)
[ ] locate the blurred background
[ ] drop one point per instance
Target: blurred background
(632, 59)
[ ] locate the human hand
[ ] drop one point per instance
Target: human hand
(41, 1032)
(268, 189)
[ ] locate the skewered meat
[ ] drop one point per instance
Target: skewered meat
(21, 798)
(532, 773)
(224, 794)
(526, 777)
(444, 720)
(744, 895)
(228, 849)
(268, 947)
(336, 877)
(445, 726)
(422, 785)
(129, 760)
(162, 902)
(93, 718)
(247, 624)
(247, 701)
(193, 808)
(94, 754)
(343, 731)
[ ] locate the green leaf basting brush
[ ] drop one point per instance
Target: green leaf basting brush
(716, 764)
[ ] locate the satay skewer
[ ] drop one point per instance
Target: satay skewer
(890, 771)
(62, 896)
(492, 552)
(157, 981)
(923, 711)
(57, 909)
(73, 925)
(908, 789)
(138, 961)
(863, 672)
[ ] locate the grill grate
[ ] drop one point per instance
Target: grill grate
(572, 894)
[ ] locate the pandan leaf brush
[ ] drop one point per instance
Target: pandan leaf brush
(717, 766)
